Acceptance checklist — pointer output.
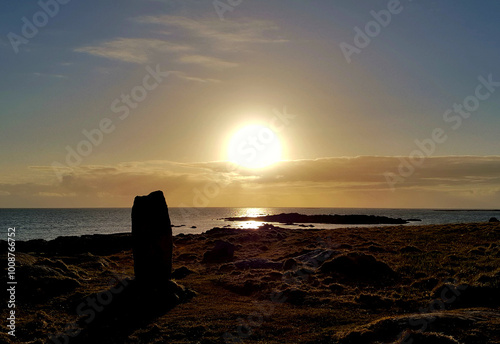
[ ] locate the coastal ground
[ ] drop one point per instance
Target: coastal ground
(394, 284)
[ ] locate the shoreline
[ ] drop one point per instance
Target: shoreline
(295, 226)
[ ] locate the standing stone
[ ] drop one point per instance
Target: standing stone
(152, 239)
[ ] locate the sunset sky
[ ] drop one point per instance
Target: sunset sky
(411, 120)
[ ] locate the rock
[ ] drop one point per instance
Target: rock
(336, 288)
(273, 276)
(258, 263)
(316, 257)
(416, 337)
(345, 247)
(193, 226)
(294, 296)
(410, 249)
(376, 249)
(373, 301)
(290, 264)
(250, 287)
(466, 296)
(181, 272)
(490, 279)
(223, 251)
(477, 251)
(38, 282)
(187, 256)
(358, 266)
(152, 238)
(439, 327)
(240, 284)
(302, 272)
(293, 218)
(226, 267)
(100, 244)
(425, 283)
(494, 219)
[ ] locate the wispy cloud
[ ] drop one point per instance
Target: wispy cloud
(206, 61)
(45, 75)
(184, 76)
(196, 42)
(224, 33)
(134, 50)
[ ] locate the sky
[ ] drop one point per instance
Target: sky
(374, 104)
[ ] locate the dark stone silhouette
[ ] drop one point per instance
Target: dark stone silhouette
(152, 239)
(494, 219)
(135, 303)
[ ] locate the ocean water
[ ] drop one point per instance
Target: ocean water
(50, 223)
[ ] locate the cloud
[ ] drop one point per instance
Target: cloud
(184, 76)
(367, 172)
(191, 46)
(183, 35)
(206, 61)
(43, 75)
(455, 181)
(133, 50)
(223, 33)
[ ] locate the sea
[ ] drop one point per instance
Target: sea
(49, 223)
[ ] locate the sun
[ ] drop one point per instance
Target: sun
(254, 146)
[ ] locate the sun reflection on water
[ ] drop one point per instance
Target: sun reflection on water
(250, 212)
(249, 224)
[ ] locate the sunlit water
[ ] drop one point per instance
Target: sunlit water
(51, 223)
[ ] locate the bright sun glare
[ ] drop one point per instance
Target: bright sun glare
(254, 146)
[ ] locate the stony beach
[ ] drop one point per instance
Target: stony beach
(394, 284)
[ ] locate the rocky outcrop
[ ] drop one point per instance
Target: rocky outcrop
(292, 218)
(359, 267)
(223, 251)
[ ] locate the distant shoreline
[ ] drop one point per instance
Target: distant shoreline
(466, 210)
(50, 223)
(292, 218)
